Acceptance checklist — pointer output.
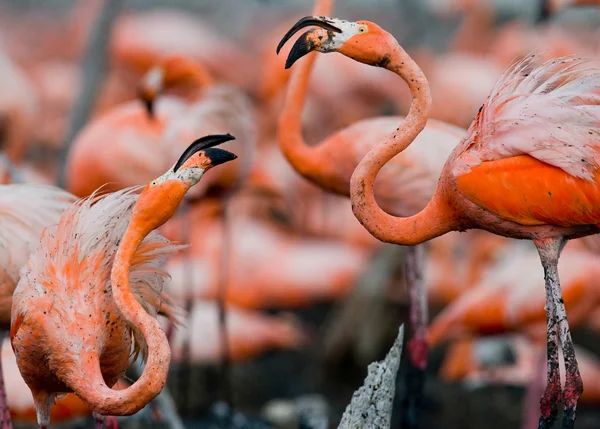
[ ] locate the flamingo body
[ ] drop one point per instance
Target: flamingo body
(63, 310)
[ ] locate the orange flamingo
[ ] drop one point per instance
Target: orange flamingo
(510, 297)
(406, 184)
(75, 314)
(526, 169)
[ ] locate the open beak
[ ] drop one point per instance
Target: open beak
(219, 156)
(206, 143)
(310, 40)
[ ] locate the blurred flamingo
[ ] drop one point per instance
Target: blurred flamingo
(25, 210)
(18, 109)
(527, 155)
(141, 40)
(79, 338)
(469, 361)
(458, 261)
(307, 270)
(93, 163)
(550, 7)
(127, 160)
(249, 334)
(303, 206)
(209, 108)
(510, 296)
(404, 188)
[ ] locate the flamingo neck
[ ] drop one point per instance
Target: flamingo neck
(432, 221)
(154, 376)
(310, 161)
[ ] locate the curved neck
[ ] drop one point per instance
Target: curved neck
(432, 220)
(309, 161)
(90, 384)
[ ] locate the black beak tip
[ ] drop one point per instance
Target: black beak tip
(149, 104)
(219, 156)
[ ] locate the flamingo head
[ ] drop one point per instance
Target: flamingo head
(172, 72)
(160, 198)
(362, 41)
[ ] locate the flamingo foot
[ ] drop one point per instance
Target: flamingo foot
(573, 391)
(552, 394)
(573, 383)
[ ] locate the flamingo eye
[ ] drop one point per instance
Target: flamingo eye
(362, 29)
(153, 183)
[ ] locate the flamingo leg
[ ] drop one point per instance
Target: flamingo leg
(4, 411)
(99, 421)
(549, 251)
(110, 422)
(417, 345)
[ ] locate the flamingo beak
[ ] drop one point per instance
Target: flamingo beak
(149, 88)
(218, 156)
(205, 144)
(309, 41)
(149, 105)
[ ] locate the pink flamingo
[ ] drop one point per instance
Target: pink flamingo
(93, 288)
(249, 334)
(527, 169)
(405, 186)
(307, 270)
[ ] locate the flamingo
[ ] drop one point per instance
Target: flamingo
(307, 270)
(128, 160)
(18, 108)
(404, 188)
(466, 361)
(140, 40)
(24, 211)
(510, 296)
(92, 289)
(209, 108)
(249, 333)
(550, 7)
(526, 169)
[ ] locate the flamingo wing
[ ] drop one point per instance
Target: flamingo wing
(532, 155)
